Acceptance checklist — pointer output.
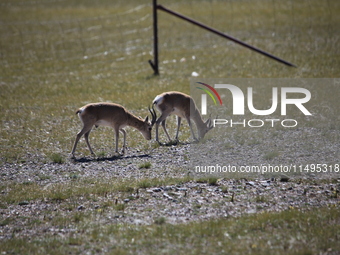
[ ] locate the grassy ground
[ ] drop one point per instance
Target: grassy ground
(56, 56)
(289, 232)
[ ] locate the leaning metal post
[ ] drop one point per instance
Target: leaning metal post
(154, 64)
(160, 7)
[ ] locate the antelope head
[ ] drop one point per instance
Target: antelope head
(205, 127)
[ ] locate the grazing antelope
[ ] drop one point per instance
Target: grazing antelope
(183, 106)
(111, 115)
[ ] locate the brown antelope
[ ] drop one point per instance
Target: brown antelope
(183, 106)
(111, 115)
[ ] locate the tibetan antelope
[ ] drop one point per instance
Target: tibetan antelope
(111, 115)
(183, 106)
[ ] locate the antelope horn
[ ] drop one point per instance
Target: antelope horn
(153, 115)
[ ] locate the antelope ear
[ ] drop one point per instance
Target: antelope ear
(146, 119)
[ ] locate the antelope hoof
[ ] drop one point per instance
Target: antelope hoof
(119, 154)
(174, 142)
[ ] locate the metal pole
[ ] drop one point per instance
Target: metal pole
(154, 64)
(162, 8)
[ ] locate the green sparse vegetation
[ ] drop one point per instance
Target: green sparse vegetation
(280, 233)
(212, 181)
(57, 158)
(271, 155)
(81, 188)
(145, 165)
(160, 221)
(119, 207)
(261, 199)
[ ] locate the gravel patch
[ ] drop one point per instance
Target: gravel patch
(199, 198)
